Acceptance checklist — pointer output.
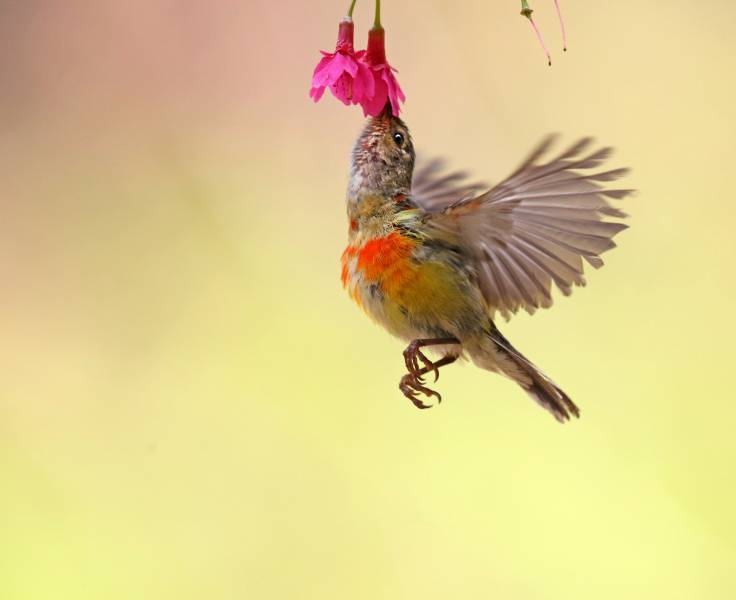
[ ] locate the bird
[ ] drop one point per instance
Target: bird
(435, 258)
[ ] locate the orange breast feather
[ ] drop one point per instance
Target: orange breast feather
(384, 260)
(428, 288)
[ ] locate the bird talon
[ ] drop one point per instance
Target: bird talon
(412, 356)
(410, 385)
(430, 365)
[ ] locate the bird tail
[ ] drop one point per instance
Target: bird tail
(540, 387)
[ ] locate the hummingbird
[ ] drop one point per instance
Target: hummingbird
(434, 258)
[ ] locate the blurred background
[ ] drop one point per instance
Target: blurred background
(191, 407)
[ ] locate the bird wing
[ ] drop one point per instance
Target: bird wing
(432, 189)
(535, 227)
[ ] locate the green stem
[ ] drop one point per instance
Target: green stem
(525, 10)
(350, 10)
(377, 20)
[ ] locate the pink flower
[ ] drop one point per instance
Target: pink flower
(350, 80)
(387, 89)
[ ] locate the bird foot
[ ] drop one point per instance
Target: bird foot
(411, 384)
(412, 356)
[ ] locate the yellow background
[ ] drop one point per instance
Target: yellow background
(190, 406)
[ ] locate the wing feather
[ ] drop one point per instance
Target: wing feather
(535, 228)
(431, 190)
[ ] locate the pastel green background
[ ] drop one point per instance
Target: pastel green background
(191, 407)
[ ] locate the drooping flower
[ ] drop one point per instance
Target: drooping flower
(350, 80)
(387, 88)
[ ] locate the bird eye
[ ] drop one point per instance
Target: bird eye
(399, 139)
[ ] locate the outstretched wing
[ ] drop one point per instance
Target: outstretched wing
(537, 226)
(433, 190)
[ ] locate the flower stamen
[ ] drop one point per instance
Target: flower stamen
(562, 26)
(527, 12)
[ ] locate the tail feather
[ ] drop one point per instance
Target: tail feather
(540, 387)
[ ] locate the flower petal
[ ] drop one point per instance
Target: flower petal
(364, 86)
(395, 93)
(343, 63)
(386, 89)
(373, 106)
(321, 72)
(316, 92)
(342, 89)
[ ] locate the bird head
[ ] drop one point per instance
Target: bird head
(383, 157)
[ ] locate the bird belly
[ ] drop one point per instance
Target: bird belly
(411, 293)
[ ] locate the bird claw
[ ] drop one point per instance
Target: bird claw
(412, 356)
(411, 384)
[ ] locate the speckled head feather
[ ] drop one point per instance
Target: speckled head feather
(383, 158)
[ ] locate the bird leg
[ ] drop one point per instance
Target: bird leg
(413, 354)
(411, 383)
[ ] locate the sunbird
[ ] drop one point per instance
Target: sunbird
(434, 258)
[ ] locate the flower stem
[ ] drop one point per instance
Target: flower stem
(377, 20)
(350, 10)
